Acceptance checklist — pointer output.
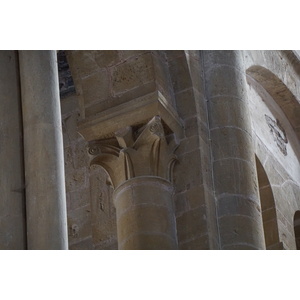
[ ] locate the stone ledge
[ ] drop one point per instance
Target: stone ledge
(132, 113)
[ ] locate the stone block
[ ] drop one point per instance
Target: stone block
(173, 54)
(68, 156)
(204, 131)
(228, 111)
(78, 198)
(195, 196)
(229, 142)
(187, 145)
(185, 103)
(191, 224)
(80, 154)
(107, 58)
(238, 230)
(132, 74)
(196, 72)
(201, 106)
(79, 224)
(77, 179)
(126, 54)
(86, 244)
(162, 78)
(188, 171)
(180, 74)
(238, 205)
(235, 176)
(13, 232)
(69, 105)
(225, 81)
(69, 124)
(198, 243)
(149, 241)
(191, 126)
(145, 218)
(181, 204)
(239, 246)
(111, 244)
(84, 62)
(104, 231)
(96, 87)
(214, 58)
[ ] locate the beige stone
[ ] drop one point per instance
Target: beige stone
(43, 151)
(180, 149)
(237, 230)
(12, 185)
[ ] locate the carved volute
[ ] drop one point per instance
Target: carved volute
(133, 152)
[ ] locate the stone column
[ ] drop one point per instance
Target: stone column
(139, 162)
(12, 197)
(43, 151)
(233, 156)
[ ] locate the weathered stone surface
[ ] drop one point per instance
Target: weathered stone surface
(229, 142)
(213, 100)
(132, 73)
(96, 87)
(229, 134)
(236, 230)
(198, 243)
(12, 185)
(225, 81)
(230, 181)
(184, 176)
(79, 224)
(43, 151)
(191, 225)
(228, 111)
(238, 205)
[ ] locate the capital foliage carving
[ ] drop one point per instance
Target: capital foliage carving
(145, 151)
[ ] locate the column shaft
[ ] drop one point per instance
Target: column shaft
(43, 151)
(12, 200)
(145, 214)
(233, 157)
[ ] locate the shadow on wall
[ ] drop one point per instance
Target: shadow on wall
(268, 209)
(297, 228)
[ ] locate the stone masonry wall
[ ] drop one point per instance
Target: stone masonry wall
(195, 207)
(91, 215)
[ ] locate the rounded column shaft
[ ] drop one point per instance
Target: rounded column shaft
(12, 201)
(145, 214)
(233, 156)
(43, 151)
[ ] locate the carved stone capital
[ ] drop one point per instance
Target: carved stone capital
(136, 151)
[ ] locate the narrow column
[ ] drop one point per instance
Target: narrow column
(139, 163)
(12, 197)
(43, 151)
(235, 179)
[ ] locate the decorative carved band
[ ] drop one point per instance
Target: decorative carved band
(133, 152)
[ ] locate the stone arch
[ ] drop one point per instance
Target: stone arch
(297, 229)
(280, 93)
(268, 209)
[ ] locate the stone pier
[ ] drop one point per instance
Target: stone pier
(12, 204)
(43, 151)
(235, 180)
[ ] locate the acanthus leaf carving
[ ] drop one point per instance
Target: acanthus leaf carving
(136, 152)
